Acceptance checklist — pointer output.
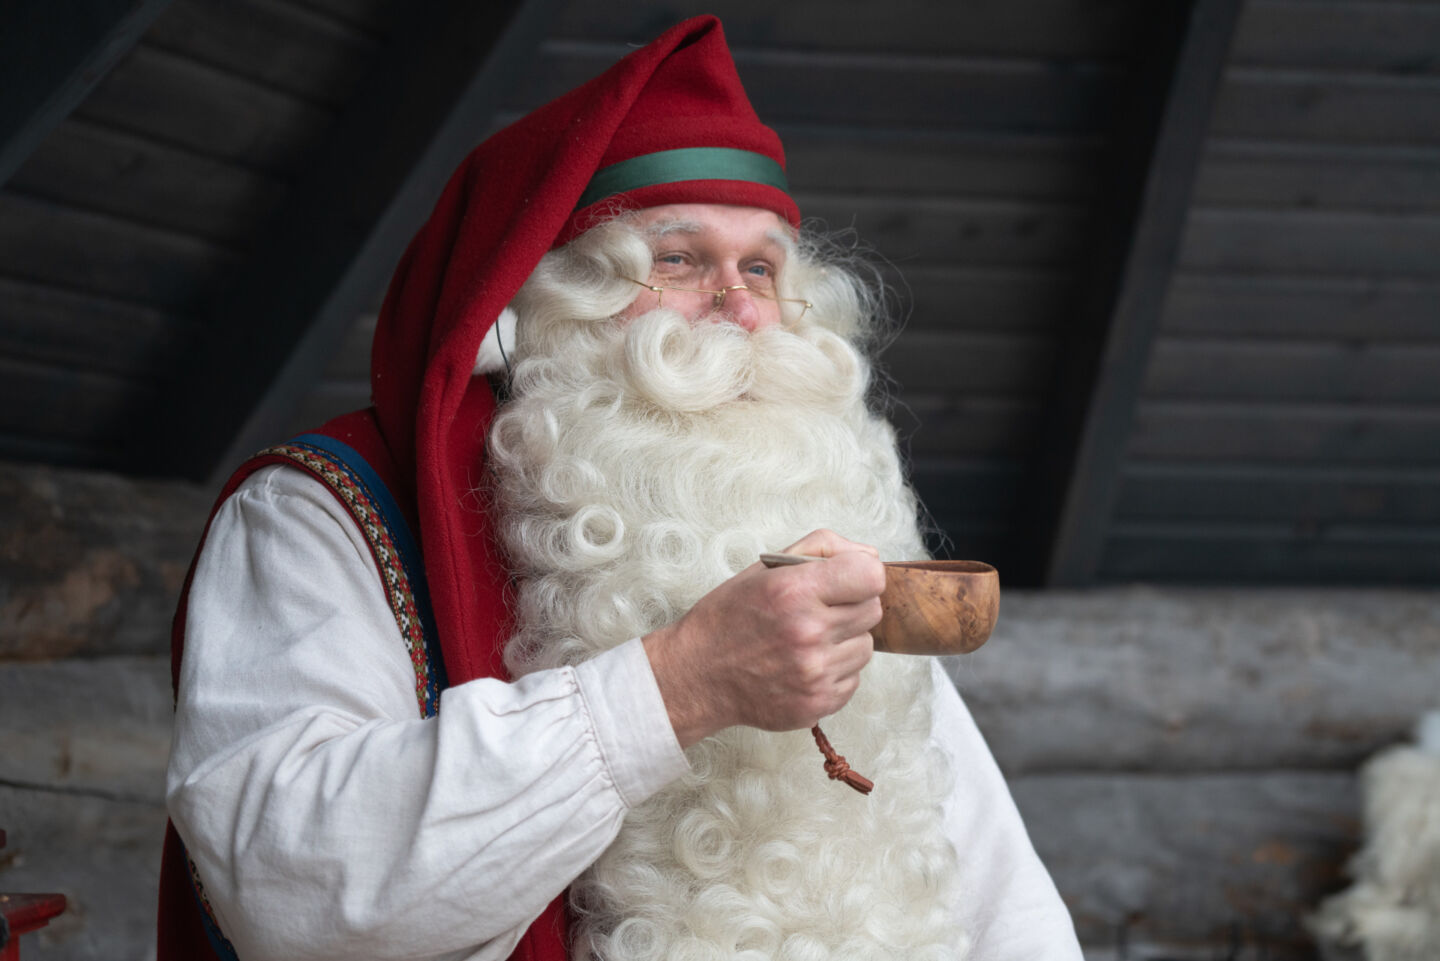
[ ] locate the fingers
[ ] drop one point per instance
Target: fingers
(850, 656)
(854, 620)
(772, 648)
(827, 543)
(848, 578)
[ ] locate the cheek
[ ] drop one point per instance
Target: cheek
(643, 304)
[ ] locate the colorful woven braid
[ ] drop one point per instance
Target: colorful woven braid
(356, 496)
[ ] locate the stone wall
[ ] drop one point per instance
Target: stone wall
(1183, 758)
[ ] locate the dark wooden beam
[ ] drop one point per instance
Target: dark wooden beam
(268, 338)
(1142, 211)
(51, 55)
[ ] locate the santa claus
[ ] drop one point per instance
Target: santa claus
(459, 678)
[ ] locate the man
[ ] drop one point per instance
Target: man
(685, 394)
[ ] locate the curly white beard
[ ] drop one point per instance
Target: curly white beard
(637, 467)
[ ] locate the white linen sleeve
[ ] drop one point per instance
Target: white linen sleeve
(1006, 901)
(325, 818)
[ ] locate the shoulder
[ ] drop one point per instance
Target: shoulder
(285, 516)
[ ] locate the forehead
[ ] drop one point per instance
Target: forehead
(720, 222)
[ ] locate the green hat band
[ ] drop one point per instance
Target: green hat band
(686, 163)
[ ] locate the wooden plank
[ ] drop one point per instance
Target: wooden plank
(97, 168)
(1042, 29)
(963, 492)
(1266, 104)
(93, 253)
(911, 231)
(934, 425)
(66, 329)
(51, 56)
(1306, 497)
(1352, 435)
(58, 405)
(939, 92)
(1081, 443)
(983, 298)
(1366, 309)
(1188, 681)
(1253, 556)
(374, 17)
(1239, 173)
(329, 398)
(180, 101)
(1194, 868)
(849, 159)
(875, 89)
(965, 362)
(1390, 38)
(355, 210)
(966, 543)
(1335, 371)
(276, 43)
(98, 725)
(84, 455)
(1297, 242)
(351, 360)
(91, 563)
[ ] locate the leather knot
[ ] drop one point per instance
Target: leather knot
(836, 766)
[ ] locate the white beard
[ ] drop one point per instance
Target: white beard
(638, 467)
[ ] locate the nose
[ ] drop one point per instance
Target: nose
(746, 310)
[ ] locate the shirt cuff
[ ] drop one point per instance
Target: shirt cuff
(631, 723)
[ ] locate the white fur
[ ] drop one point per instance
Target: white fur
(492, 355)
(638, 466)
(1392, 912)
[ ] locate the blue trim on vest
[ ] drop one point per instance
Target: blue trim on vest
(218, 942)
(406, 545)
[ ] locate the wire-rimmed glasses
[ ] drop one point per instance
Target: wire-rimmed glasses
(719, 295)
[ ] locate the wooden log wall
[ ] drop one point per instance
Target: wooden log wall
(90, 566)
(1183, 758)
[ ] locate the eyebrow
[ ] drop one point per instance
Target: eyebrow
(674, 225)
(783, 240)
(661, 228)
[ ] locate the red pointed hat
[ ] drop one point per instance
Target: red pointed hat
(670, 123)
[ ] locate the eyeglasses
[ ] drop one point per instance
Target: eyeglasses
(719, 295)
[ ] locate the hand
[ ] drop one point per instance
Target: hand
(774, 649)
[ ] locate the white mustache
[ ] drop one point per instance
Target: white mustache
(691, 368)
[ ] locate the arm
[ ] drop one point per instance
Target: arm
(1007, 902)
(327, 820)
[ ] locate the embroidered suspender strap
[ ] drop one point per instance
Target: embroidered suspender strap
(395, 549)
(397, 557)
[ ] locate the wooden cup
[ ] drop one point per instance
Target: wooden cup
(929, 607)
(937, 607)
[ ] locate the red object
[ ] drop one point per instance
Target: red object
(513, 199)
(24, 913)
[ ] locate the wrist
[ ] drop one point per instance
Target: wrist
(689, 702)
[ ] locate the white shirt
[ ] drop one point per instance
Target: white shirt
(328, 821)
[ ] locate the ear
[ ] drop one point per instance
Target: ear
(498, 344)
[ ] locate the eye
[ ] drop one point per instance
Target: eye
(760, 275)
(670, 260)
